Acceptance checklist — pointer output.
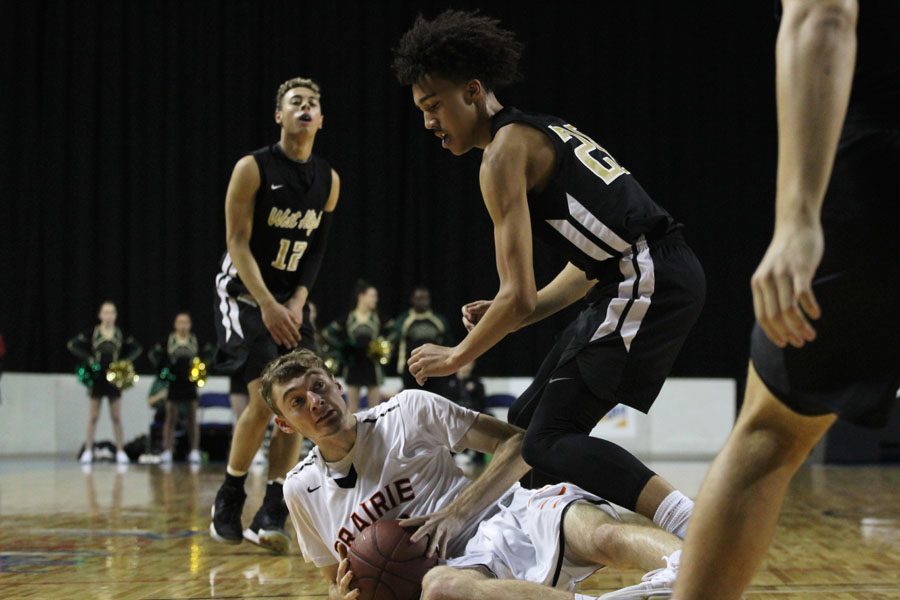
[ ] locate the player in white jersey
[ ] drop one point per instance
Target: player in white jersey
(497, 539)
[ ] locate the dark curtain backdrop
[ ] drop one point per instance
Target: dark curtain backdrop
(121, 122)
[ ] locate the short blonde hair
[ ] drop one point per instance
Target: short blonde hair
(290, 84)
(285, 368)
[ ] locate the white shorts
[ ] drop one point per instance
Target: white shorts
(524, 540)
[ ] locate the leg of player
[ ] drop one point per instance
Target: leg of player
(559, 416)
(248, 435)
(88, 454)
(238, 404)
(592, 536)
(373, 395)
(267, 528)
(739, 502)
(353, 398)
(448, 583)
(249, 431)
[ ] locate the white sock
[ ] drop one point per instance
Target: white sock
(234, 472)
(278, 480)
(674, 513)
(584, 597)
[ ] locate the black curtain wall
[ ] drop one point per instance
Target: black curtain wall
(121, 121)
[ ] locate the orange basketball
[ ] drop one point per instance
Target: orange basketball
(385, 565)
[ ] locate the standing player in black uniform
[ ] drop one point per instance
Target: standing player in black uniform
(644, 286)
(825, 293)
(278, 211)
(103, 345)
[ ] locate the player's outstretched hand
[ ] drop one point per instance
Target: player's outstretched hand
(340, 589)
(282, 323)
(440, 527)
(783, 299)
(430, 360)
(473, 311)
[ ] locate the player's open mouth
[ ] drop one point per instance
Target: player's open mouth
(445, 138)
(305, 117)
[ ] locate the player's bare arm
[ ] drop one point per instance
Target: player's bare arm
(504, 185)
(239, 203)
(571, 284)
(815, 56)
(568, 287)
(491, 436)
(296, 302)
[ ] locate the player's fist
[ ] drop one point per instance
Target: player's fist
(473, 311)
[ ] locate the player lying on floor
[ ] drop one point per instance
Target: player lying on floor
(498, 539)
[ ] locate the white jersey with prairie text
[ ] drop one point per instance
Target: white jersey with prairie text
(400, 465)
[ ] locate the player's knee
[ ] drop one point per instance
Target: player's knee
(514, 414)
(536, 450)
(441, 583)
(606, 543)
(775, 438)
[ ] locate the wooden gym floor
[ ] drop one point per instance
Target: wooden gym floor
(142, 534)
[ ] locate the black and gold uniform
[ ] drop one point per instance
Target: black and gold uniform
(97, 347)
(290, 229)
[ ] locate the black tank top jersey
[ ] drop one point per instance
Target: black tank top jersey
(288, 211)
(876, 80)
(592, 209)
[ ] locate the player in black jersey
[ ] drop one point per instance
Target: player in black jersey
(643, 285)
(278, 211)
(102, 345)
(825, 294)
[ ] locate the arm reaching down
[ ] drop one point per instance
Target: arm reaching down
(488, 435)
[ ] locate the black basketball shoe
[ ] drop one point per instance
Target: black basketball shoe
(226, 514)
(267, 528)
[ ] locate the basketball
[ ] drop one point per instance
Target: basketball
(385, 565)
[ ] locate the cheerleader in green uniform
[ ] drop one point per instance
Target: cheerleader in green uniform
(99, 348)
(175, 358)
(361, 326)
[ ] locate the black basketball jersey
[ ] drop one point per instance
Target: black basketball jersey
(592, 209)
(876, 81)
(289, 206)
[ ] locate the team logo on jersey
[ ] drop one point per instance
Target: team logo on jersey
(376, 506)
(285, 218)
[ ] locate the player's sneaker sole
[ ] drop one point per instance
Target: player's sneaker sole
(215, 534)
(271, 539)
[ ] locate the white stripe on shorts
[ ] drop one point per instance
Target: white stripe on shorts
(227, 305)
(626, 312)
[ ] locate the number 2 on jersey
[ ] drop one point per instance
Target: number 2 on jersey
(282, 262)
(606, 168)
